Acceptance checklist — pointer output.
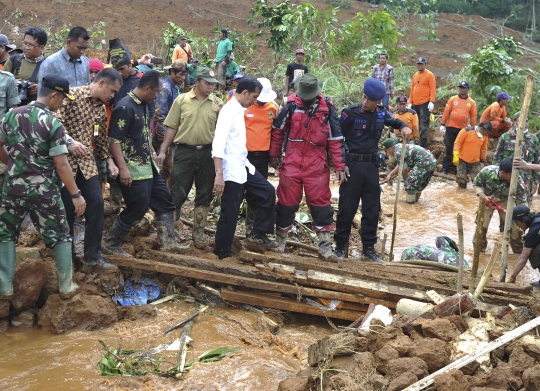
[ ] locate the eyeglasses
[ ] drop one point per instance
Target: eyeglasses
(29, 45)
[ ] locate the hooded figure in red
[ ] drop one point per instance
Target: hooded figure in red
(304, 135)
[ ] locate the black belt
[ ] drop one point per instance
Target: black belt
(360, 157)
(258, 153)
(204, 146)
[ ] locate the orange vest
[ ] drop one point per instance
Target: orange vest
(259, 126)
(458, 111)
(411, 119)
(471, 148)
(495, 112)
(423, 88)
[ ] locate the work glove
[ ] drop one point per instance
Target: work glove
(409, 105)
(430, 106)
(455, 159)
(442, 129)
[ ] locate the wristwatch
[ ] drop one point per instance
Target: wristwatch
(69, 141)
(77, 194)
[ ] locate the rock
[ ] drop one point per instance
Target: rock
(51, 282)
(4, 325)
(497, 355)
(135, 312)
(4, 309)
(24, 320)
(384, 355)
(471, 368)
(378, 381)
(29, 279)
(458, 321)
(531, 378)
(531, 349)
(402, 344)
(510, 346)
(434, 352)
(519, 361)
(360, 344)
(487, 389)
(359, 365)
(440, 328)
(27, 252)
(522, 315)
(534, 304)
(331, 346)
(402, 381)
(294, 384)
(478, 380)
(377, 340)
(414, 365)
(453, 380)
(502, 376)
(81, 311)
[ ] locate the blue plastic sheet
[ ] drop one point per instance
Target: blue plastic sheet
(137, 292)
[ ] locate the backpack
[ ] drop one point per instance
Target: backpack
(16, 61)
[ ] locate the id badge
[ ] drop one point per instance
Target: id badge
(96, 130)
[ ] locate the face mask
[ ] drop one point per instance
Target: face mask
(308, 103)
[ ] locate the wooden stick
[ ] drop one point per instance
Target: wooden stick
(188, 319)
(400, 175)
(477, 242)
(488, 270)
(445, 176)
(529, 84)
(461, 253)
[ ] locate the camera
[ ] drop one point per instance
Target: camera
(23, 89)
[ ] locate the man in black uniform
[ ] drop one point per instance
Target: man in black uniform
(362, 126)
(525, 219)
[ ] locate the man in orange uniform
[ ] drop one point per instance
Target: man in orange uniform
(422, 98)
(182, 51)
(259, 117)
(460, 110)
(496, 113)
(409, 117)
(470, 151)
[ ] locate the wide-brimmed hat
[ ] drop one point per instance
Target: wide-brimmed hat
(308, 87)
(207, 75)
(267, 93)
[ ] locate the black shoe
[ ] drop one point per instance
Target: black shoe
(444, 171)
(369, 254)
(340, 252)
(262, 239)
(537, 283)
(102, 264)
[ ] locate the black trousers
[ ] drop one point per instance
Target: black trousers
(93, 216)
(150, 193)
(449, 140)
(362, 184)
(233, 194)
(423, 122)
(260, 162)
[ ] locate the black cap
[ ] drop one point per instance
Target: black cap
(401, 99)
(57, 83)
(421, 60)
(520, 213)
(464, 84)
(506, 165)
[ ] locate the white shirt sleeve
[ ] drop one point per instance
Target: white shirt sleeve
(223, 127)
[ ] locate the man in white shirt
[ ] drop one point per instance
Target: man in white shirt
(235, 174)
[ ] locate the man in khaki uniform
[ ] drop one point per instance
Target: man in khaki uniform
(191, 125)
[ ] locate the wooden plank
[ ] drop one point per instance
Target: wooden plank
(281, 303)
(247, 282)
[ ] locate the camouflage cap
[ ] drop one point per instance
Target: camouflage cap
(178, 65)
(207, 75)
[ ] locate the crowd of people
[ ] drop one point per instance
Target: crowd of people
(71, 125)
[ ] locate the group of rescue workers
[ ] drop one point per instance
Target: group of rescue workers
(92, 123)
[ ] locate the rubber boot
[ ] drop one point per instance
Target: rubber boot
(98, 262)
(369, 254)
(64, 268)
(281, 240)
(165, 230)
(256, 236)
(325, 251)
(7, 269)
(115, 200)
(418, 195)
(115, 239)
(200, 213)
(411, 197)
(340, 252)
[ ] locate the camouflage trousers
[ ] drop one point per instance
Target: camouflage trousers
(467, 170)
(516, 234)
(46, 210)
(420, 175)
(428, 253)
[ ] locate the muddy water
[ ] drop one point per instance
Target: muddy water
(36, 360)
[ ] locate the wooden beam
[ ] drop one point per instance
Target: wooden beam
(285, 304)
(445, 176)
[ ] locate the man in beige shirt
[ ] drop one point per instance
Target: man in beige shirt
(191, 125)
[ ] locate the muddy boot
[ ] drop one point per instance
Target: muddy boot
(340, 252)
(369, 254)
(418, 194)
(325, 250)
(281, 239)
(98, 262)
(115, 200)
(64, 269)
(115, 239)
(411, 197)
(200, 213)
(462, 185)
(256, 236)
(7, 269)
(165, 230)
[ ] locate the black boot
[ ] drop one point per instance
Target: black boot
(369, 254)
(340, 252)
(165, 229)
(115, 239)
(99, 262)
(258, 237)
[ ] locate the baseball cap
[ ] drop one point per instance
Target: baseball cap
(299, 50)
(195, 59)
(207, 75)
(183, 37)
(503, 95)
(506, 165)
(57, 83)
(5, 42)
(237, 76)
(464, 84)
(388, 143)
(401, 99)
(179, 65)
(95, 64)
(421, 60)
(520, 213)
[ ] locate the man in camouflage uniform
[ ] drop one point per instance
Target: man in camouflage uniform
(493, 183)
(446, 252)
(419, 165)
(36, 162)
(530, 151)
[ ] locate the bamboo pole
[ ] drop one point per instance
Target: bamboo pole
(488, 270)
(461, 253)
(185, 339)
(477, 241)
(400, 175)
(529, 84)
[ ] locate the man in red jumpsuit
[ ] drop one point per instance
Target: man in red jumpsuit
(305, 132)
